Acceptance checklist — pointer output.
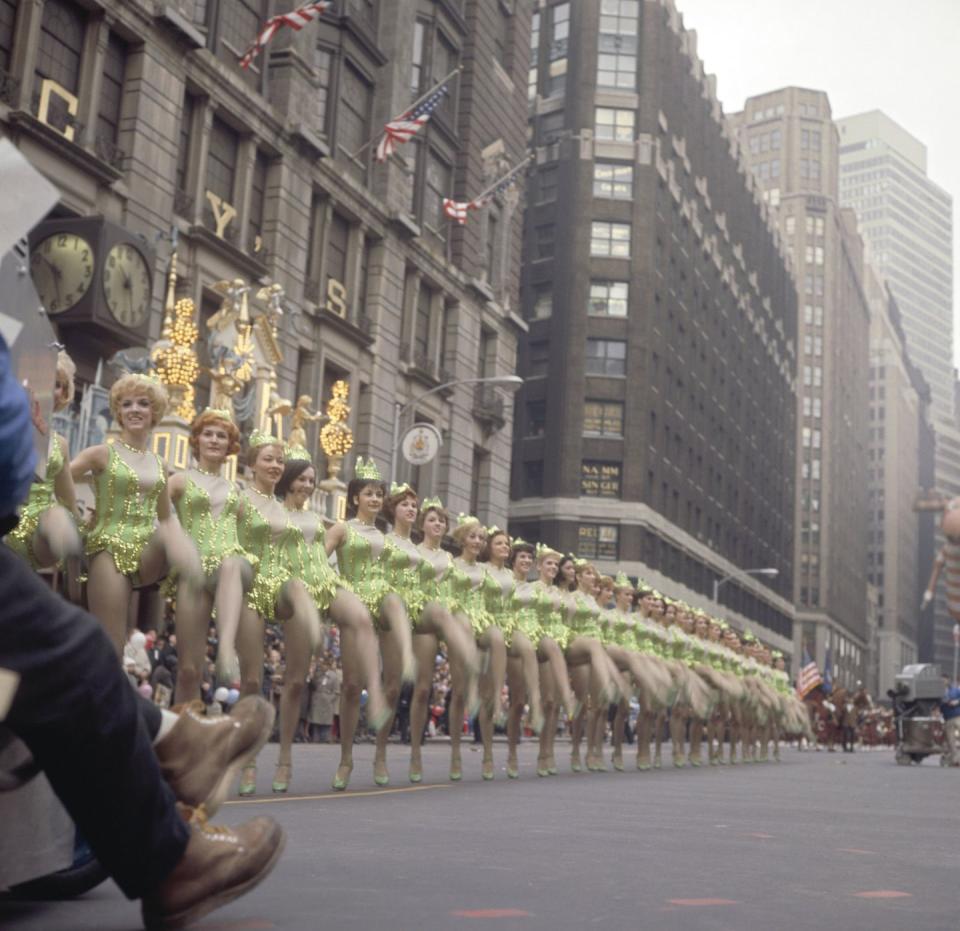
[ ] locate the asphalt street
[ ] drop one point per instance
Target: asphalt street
(821, 840)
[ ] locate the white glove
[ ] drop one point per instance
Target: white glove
(927, 598)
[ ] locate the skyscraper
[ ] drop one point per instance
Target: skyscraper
(906, 220)
(656, 429)
(789, 140)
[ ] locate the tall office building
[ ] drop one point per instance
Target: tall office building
(656, 430)
(790, 143)
(906, 220)
(141, 115)
(899, 402)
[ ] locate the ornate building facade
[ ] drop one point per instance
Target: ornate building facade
(139, 112)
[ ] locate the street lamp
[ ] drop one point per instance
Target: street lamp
(509, 382)
(771, 572)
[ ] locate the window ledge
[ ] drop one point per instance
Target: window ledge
(304, 133)
(184, 29)
(405, 224)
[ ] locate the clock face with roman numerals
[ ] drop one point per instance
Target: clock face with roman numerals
(62, 268)
(126, 285)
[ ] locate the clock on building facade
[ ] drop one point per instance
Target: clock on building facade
(93, 272)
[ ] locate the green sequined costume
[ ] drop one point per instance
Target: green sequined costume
(216, 537)
(125, 519)
(435, 584)
(41, 498)
(527, 613)
(308, 562)
(402, 572)
(366, 575)
(499, 604)
(469, 600)
(553, 615)
(256, 536)
(585, 620)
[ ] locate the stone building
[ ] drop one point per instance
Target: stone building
(141, 115)
(790, 142)
(655, 432)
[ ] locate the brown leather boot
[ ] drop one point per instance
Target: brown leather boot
(201, 755)
(218, 866)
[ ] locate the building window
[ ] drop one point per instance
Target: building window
(542, 302)
(445, 59)
(603, 418)
(600, 479)
(538, 354)
(493, 249)
(545, 241)
(62, 29)
(437, 186)
(111, 94)
(335, 258)
(239, 22)
(501, 37)
(222, 162)
(612, 239)
(617, 58)
(606, 357)
(183, 152)
(559, 42)
(614, 124)
(547, 183)
(258, 201)
(533, 479)
(418, 62)
(421, 327)
(8, 16)
(353, 118)
(613, 180)
(533, 75)
(536, 418)
(321, 93)
(598, 541)
(609, 298)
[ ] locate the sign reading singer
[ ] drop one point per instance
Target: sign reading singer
(420, 444)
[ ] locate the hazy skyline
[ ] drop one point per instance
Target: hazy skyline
(865, 54)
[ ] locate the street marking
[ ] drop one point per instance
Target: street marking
(759, 834)
(267, 800)
(884, 894)
(701, 903)
(854, 850)
(490, 913)
(242, 925)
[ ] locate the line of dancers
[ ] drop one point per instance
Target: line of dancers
(550, 626)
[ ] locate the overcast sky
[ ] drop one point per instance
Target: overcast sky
(885, 55)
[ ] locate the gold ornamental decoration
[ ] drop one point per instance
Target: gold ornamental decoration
(174, 357)
(336, 438)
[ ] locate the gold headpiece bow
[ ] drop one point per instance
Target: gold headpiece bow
(297, 452)
(400, 488)
(367, 470)
(259, 438)
(621, 581)
(219, 412)
(432, 503)
(543, 551)
(467, 520)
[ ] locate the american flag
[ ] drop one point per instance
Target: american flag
(809, 677)
(402, 128)
(295, 19)
(457, 209)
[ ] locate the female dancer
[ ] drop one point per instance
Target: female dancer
(554, 636)
(135, 537)
(566, 579)
(46, 534)
(435, 624)
(467, 581)
(523, 679)
(307, 560)
(267, 533)
(651, 679)
(362, 556)
(208, 506)
(590, 668)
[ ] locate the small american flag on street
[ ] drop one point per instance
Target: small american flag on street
(402, 128)
(809, 677)
(295, 19)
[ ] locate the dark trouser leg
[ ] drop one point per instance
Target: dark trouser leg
(79, 717)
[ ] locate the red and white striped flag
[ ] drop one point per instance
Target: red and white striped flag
(403, 128)
(457, 210)
(809, 677)
(295, 19)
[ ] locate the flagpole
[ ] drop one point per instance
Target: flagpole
(412, 106)
(506, 177)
